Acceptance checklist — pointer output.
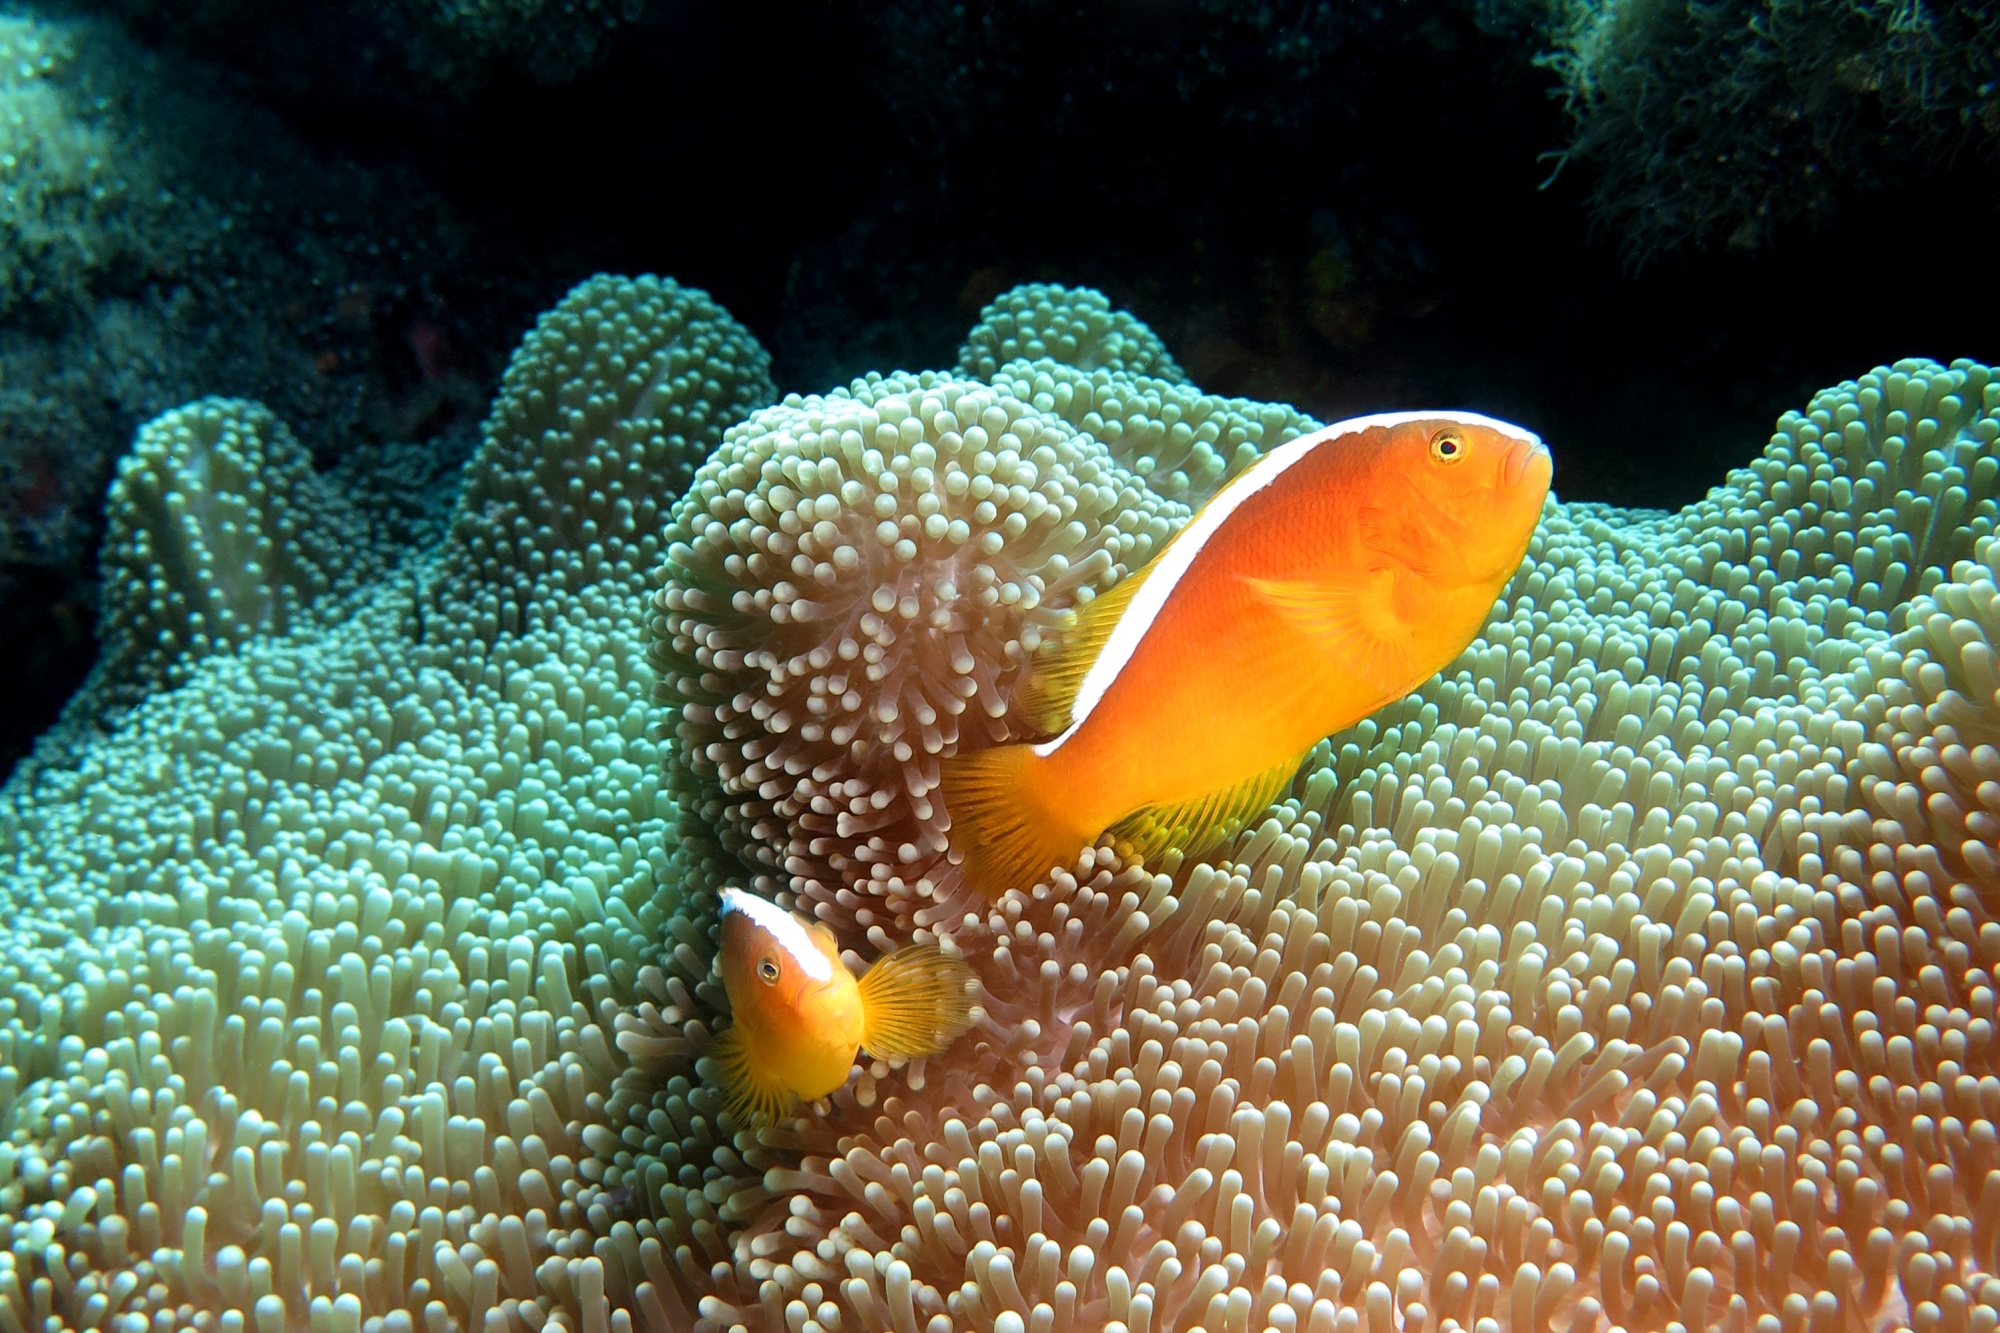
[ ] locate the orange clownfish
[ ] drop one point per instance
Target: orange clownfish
(1333, 576)
(800, 1017)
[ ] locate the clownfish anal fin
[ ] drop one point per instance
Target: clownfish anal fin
(751, 1095)
(915, 1001)
(1354, 619)
(1009, 824)
(1201, 824)
(1044, 699)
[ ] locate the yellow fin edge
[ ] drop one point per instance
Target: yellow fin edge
(1199, 825)
(750, 1096)
(1008, 832)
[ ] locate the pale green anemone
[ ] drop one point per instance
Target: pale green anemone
(316, 960)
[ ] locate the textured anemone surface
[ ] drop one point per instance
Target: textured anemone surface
(1076, 326)
(219, 531)
(1637, 972)
(314, 963)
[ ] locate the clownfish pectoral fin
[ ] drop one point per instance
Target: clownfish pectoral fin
(915, 1001)
(1355, 620)
(1198, 825)
(751, 1094)
(1009, 830)
(1043, 701)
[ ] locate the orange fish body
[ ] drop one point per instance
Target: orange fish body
(1332, 577)
(800, 1018)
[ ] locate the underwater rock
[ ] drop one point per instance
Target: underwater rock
(1639, 968)
(162, 237)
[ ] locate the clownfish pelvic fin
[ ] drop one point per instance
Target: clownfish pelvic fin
(915, 1001)
(751, 1094)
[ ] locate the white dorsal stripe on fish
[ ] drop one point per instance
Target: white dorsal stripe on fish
(784, 928)
(1186, 547)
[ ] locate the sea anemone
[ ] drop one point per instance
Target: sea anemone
(317, 956)
(221, 533)
(1638, 970)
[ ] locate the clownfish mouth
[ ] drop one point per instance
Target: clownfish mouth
(1522, 458)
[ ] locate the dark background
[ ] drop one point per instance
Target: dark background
(1348, 207)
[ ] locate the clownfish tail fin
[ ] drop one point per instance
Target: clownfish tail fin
(915, 1001)
(1008, 825)
(750, 1095)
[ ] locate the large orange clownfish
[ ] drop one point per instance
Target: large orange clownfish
(1333, 576)
(800, 1018)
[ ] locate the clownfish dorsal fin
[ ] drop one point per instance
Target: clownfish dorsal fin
(822, 935)
(1198, 825)
(915, 1001)
(751, 1094)
(1044, 701)
(1352, 616)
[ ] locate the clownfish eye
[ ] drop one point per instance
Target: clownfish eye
(768, 969)
(1448, 446)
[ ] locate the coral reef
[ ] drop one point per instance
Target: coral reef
(1638, 970)
(1723, 124)
(457, 43)
(1327, 118)
(162, 237)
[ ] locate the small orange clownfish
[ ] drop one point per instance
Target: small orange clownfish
(1333, 576)
(800, 1018)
